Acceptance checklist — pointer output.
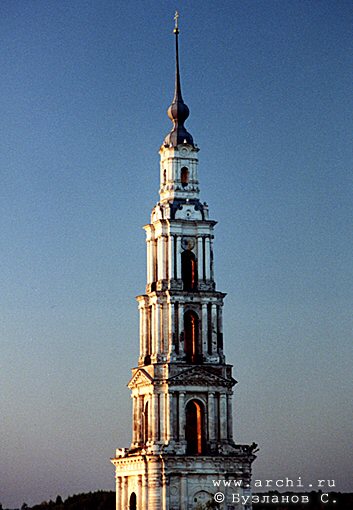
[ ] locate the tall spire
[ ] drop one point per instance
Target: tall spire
(178, 111)
(177, 93)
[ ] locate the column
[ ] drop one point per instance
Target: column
(214, 327)
(211, 417)
(164, 240)
(152, 262)
(169, 417)
(144, 500)
(207, 259)
(163, 329)
(178, 257)
(200, 258)
(230, 417)
(160, 258)
(223, 415)
(139, 418)
(183, 492)
(156, 329)
(134, 419)
(181, 416)
(170, 240)
(162, 417)
(139, 505)
(181, 328)
(124, 498)
(145, 331)
(154, 417)
(154, 484)
(204, 329)
(220, 327)
(142, 332)
(148, 252)
(170, 327)
(118, 493)
(150, 419)
(211, 258)
(164, 492)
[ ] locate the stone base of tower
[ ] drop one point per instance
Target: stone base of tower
(183, 482)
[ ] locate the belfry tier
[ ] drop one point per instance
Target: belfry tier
(179, 173)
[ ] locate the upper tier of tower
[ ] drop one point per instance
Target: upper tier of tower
(179, 173)
(178, 163)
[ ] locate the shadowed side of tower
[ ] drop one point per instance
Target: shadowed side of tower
(182, 387)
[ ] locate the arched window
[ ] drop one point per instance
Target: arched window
(145, 424)
(184, 176)
(189, 270)
(191, 337)
(164, 176)
(195, 427)
(132, 505)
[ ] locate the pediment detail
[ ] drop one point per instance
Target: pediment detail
(140, 378)
(198, 376)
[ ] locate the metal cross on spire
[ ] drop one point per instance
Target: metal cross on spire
(176, 18)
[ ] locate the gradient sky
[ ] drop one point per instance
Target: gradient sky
(83, 95)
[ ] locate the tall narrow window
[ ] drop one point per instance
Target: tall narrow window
(164, 176)
(195, 428)
(184, 176)
(189, 270)
(191, 337)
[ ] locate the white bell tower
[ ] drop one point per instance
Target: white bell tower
(182, 434)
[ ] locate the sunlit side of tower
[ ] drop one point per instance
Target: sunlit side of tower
(182, 432)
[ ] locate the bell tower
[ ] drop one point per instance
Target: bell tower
(182, 387)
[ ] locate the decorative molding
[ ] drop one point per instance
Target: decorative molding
(140, 378)
(199, 376)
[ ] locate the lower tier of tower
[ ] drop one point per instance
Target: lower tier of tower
(182, 482)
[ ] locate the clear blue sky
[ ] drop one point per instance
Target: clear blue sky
(83, 96)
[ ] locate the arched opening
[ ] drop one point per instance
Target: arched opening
(133, 500)
(184, 176)
(191, 337)
(145, 424)
(189, 270)
(195, 428)
(164, 176)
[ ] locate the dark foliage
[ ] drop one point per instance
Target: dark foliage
(100, 500)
